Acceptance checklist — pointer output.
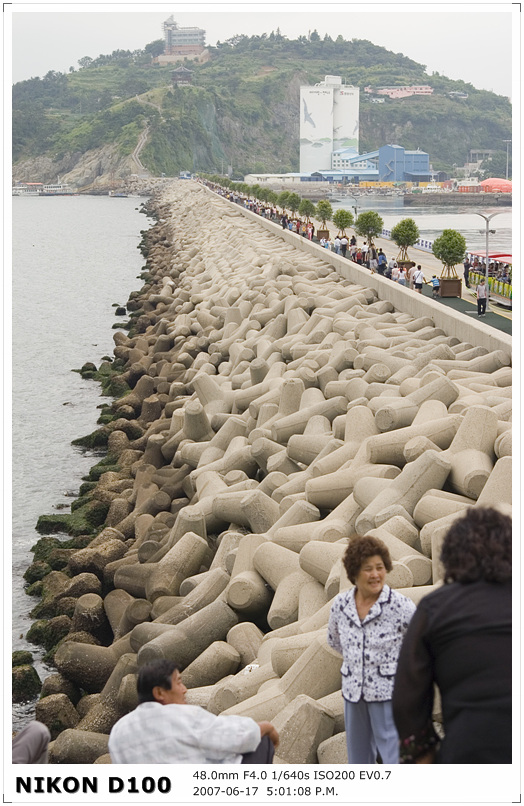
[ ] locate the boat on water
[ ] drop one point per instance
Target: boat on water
(41, 189)
(27, 189)
(432, 187)
(58, 189)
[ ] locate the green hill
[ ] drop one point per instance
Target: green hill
(242, 108)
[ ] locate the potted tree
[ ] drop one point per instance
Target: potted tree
(283, 200)
(272, 198)
(450, 249)
(341, 220)
(306, 209)
(325, 213)
(369, 225)
(404, 234)
(293, 202)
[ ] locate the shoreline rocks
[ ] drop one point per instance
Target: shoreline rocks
(274, 409)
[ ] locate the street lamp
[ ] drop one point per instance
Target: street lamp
(354, 206)
(487, 219)
(507, 155)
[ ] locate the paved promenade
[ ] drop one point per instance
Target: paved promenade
(495, 316)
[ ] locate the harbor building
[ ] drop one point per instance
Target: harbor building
(329, 122)
(389, 163)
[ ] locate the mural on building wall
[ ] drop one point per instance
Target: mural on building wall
(316, 128)
(345, 118)
(329, 120)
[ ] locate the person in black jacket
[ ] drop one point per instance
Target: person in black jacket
(460, 639)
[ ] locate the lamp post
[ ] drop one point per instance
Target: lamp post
(507, 155)
(354, 206)
(487, 219)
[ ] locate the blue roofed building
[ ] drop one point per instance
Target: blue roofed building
(391, 163)
(395, 164)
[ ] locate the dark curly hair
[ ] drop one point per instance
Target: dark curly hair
(360, 549)
(478, 546)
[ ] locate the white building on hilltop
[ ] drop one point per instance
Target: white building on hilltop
(181, 43)
(329, 121)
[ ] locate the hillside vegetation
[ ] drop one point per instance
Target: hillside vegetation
(242, 109)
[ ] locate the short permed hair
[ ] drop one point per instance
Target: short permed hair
(155, 673)
(360, 549)
(478, 546)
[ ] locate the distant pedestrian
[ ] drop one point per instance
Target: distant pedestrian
(411, 274)
(395, 273)
(435, 282)
(391, 265)
(482, 298)
(343, 246)
(418, 279)
(402, 277)
(358, 256)
(364, 250)
(467, 266)
(373, 259)
(337, 245)
(382, 262)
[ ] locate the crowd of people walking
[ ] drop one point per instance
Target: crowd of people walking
(407, 274)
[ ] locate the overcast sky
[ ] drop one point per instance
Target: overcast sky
(466, 41)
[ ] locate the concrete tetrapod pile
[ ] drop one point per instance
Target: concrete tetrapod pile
(281, 409)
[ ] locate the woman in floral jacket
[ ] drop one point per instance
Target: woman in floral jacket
(367, 625)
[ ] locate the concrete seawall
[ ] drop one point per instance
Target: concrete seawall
(280, 399)
(454, 323)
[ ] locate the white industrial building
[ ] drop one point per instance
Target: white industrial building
(329, 122)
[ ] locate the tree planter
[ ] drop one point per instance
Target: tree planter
(323, 233)
(450, 287)
(405, 264)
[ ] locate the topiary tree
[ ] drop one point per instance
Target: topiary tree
(404, 234)
(293, 202)
(283, 200)
(450, 249)
(341, 220)
(324, 212)
(306, 209)
(369, 225)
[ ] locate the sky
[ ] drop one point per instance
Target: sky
(468, 41)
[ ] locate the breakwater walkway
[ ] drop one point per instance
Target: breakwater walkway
(277, 402)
